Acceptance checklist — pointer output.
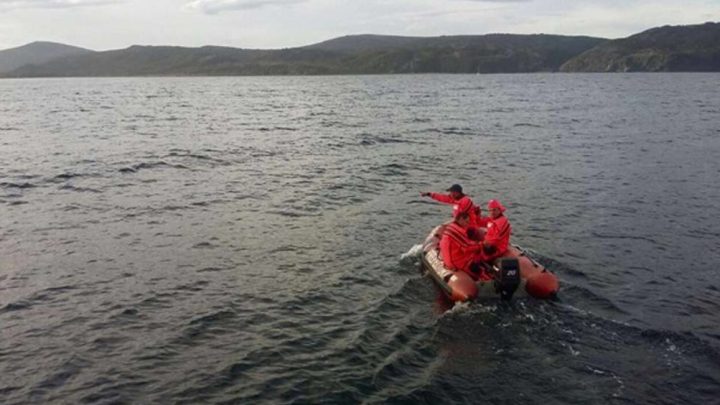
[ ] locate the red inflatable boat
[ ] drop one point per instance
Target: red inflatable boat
(515, 274)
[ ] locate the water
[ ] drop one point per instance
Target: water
(239, 240)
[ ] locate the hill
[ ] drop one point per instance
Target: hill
(36, 53)
(668, 48)
(493, 53)
(346, 55)
(367, 42)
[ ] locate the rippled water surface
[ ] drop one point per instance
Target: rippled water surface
(239, 240)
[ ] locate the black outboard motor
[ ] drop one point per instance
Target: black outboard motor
(507, 277)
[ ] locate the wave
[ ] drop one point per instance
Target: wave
(21, 186)
(367, 139)
(212, 318)
(282, 129)
(41, 297)
(455, 131)
(70, 187)
(180, 153)
(69, 176)
(294, 213)
(151, 165)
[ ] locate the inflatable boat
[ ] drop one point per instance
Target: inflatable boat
(515, 274)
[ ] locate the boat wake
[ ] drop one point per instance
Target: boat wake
(414, 253)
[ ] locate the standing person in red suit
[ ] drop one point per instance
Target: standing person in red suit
(460, 203)
(497, 238)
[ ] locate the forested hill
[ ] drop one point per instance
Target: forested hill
(347, 55)
(668, 48)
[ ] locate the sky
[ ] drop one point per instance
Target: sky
(114, 24)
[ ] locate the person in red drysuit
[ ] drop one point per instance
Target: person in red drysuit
(460, 203)
(481, 221)
(497, 237)
(458, 252)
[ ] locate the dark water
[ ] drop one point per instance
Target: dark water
(239, 240)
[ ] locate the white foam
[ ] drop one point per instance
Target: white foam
(459, 307)
(414, 252)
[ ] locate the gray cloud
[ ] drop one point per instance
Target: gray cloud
(217, 6)
(12, 4)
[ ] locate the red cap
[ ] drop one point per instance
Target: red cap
(495, 204)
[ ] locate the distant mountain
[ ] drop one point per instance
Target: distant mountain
(181, 61)
(493, 53)
(346, 55)
(680, 48)
(36, 53)
(668, 48)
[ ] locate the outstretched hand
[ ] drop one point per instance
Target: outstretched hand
(424, 194)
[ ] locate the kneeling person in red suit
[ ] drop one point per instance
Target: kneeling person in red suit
(458, 251)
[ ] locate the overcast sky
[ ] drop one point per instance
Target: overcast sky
(112, 24)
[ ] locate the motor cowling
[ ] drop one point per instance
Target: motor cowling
(507, 277)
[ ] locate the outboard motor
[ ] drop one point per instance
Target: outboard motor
(507, 276)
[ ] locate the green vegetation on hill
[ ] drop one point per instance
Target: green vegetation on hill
(496, 53)
(347, 55)
(682, 48)
(679, 48)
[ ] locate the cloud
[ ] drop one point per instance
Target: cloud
(13, 4)
(218, 6)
